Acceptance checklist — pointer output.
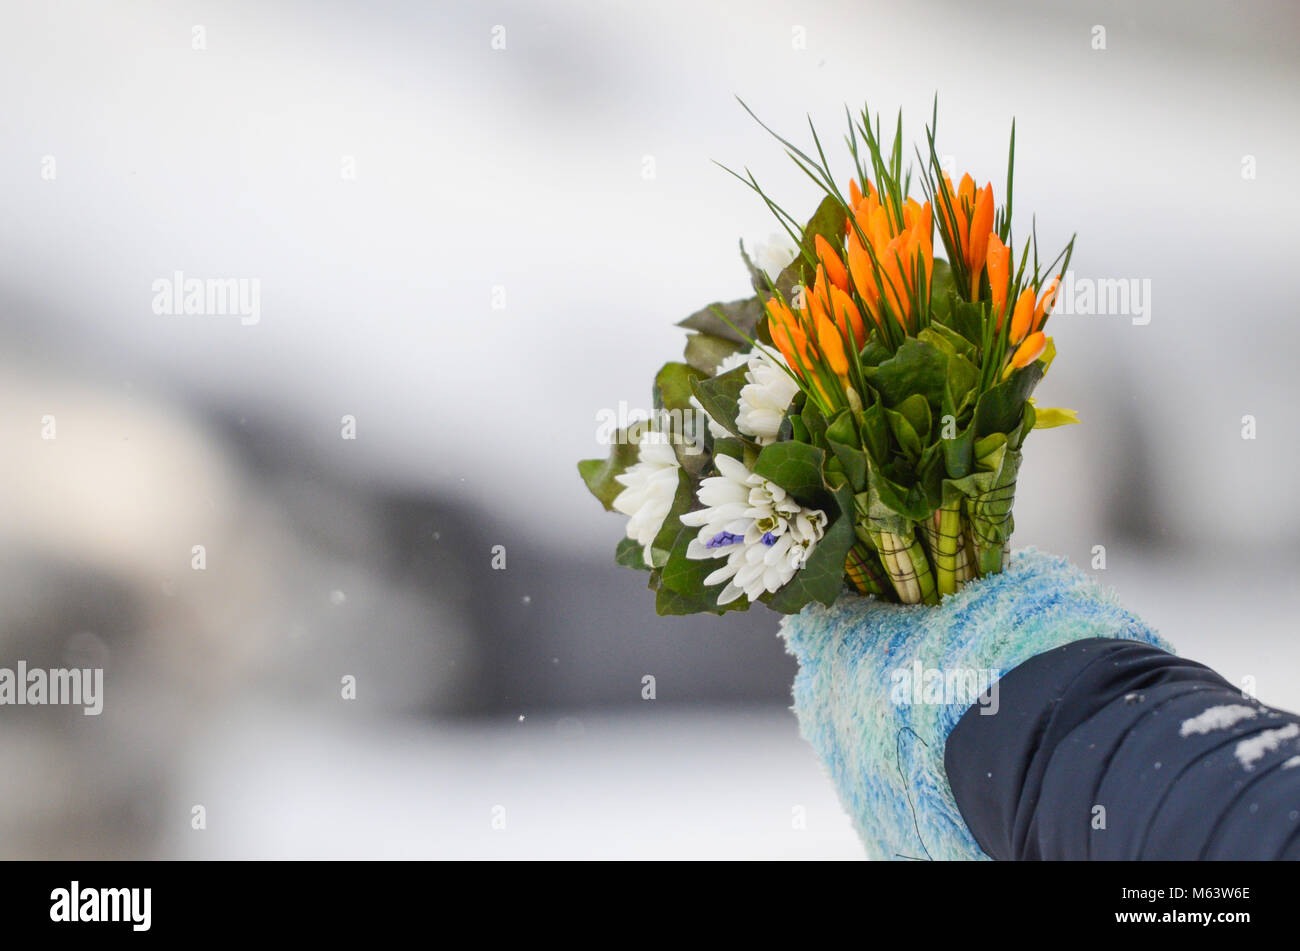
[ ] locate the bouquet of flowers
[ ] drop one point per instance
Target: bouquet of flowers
(857, 424)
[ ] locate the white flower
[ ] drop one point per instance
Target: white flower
(764, 534)
(774, 254)
(729, 362)
(651, 485)
(765, 398)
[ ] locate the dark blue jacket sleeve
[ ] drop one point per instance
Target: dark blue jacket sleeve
(1106, 749)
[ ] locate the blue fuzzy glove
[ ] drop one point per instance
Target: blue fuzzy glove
(880, 687)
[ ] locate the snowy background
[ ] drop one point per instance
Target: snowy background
(519, 171)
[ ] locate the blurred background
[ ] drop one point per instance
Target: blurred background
(473, 229)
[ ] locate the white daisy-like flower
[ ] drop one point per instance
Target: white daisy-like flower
(729, 362)
(762, 532)
(650, 486)
(765, 398)
(774, 255)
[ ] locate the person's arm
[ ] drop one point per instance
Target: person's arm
(1107, 749)
(1091, 740)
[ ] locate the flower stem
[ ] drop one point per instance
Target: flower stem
(947, 542)
(863, 568)
(965, 570)
(909, 569)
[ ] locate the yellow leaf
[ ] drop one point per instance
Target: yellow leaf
(1046, 359)
(1051, 416)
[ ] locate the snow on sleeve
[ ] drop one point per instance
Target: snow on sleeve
(1248, 751)
(1216, 718)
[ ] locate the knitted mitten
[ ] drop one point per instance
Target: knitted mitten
(880, 686)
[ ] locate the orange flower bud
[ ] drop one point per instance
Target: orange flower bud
(1046, 303)
(817, 300)
(980, 227)
(954, 215)
(830, 260)
(1024, 315)
(846, 314)
(999, 268)
(1030, 350)
(786, 333)
(966, 192)
(891, 275)
(831, 345)
(864, 281)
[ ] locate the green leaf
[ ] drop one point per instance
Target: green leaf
(1049, 417)
(743, 313)
(968, 486)
(795, 467)
(958, 452)
(629, 554)
(1027, 423)
(669, 603)
(842, 435)
(990, 511)
(967, 319)
(678, 419)
(874, 426)
(692, 454)
(917, 412)
(875, 352)
(919, 366)
(797, 430)
(705, 351)
(951, 341)
(942, 291)
(735, 448)
(720, 397)
(789, 278)
(814, 423)
(958, 397)
(890, 506)
(930, 474)
(672, 389)
(827, 221)
(989, 450)
(599, 473)
(681, 583)
(1001, 408)
(905, 433)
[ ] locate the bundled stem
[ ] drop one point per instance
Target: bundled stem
(863, 569)
(908, 567)
(947, 543)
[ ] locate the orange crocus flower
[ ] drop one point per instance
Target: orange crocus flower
(830, 307)
(1046, 303)
(1023, 318)
(788, 336)
(831, 345)
(855, 193)
(1030, 350)
(818, 329)
(862, 272)
(999, 268)
(829, 259)
(888, 259)
(845, 313)
(970, 224)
